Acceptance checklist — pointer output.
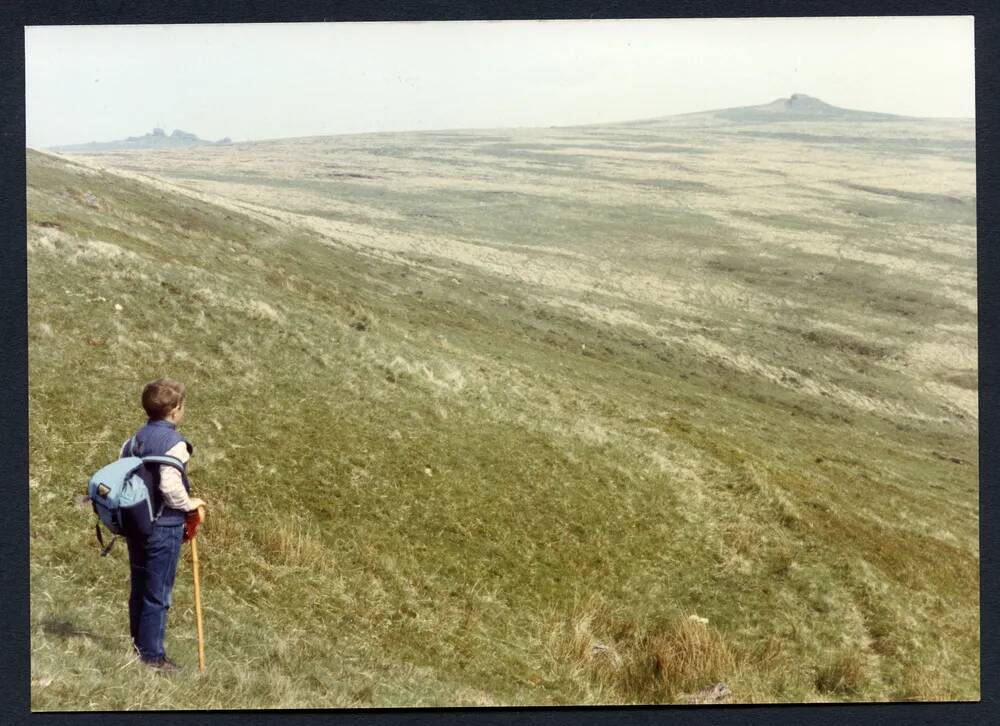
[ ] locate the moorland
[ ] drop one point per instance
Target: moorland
(583, 415)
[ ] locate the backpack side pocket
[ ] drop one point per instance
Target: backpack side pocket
(135, 509)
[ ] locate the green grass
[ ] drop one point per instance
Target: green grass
(426, 493)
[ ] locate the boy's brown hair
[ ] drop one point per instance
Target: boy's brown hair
(162, 396)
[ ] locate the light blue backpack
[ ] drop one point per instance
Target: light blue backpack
(121, 497)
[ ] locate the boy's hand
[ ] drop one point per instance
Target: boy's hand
(195, 517)
(197, 504)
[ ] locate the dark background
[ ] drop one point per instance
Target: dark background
(14, 523)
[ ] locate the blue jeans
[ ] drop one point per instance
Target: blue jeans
(153, 565)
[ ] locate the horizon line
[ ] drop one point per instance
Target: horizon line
(498, 128)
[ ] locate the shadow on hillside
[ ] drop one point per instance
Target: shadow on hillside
(66, 629)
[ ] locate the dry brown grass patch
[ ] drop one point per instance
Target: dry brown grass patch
(621, 661)
(690, 655)
(920, 683)
(289, 541)
(844, 674)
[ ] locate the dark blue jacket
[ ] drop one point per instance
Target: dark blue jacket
(155, 439)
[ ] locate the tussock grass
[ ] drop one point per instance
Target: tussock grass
(669, 660)
(844, 674)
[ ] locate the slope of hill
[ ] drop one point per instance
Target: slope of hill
(595, 415)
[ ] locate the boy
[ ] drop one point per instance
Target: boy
(153, 560)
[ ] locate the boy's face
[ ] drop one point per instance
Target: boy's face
(177, 415)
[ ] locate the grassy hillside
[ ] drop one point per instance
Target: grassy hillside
(596, 415)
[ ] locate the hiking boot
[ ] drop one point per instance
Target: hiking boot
(163, 665)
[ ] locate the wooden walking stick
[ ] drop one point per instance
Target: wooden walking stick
(194, 518)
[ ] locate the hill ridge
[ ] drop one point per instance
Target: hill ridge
(796, 107)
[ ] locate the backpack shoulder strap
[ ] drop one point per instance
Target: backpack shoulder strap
(165, 460)
(128, 448)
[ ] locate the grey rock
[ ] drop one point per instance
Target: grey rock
(718, 693)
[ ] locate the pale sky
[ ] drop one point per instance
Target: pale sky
(258, 81)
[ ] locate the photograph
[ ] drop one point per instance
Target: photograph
(502, 363)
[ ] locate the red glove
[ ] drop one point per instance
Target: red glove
(194, 518)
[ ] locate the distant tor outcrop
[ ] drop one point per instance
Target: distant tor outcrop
(797, 107)
(184, 136)
(156, 139)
